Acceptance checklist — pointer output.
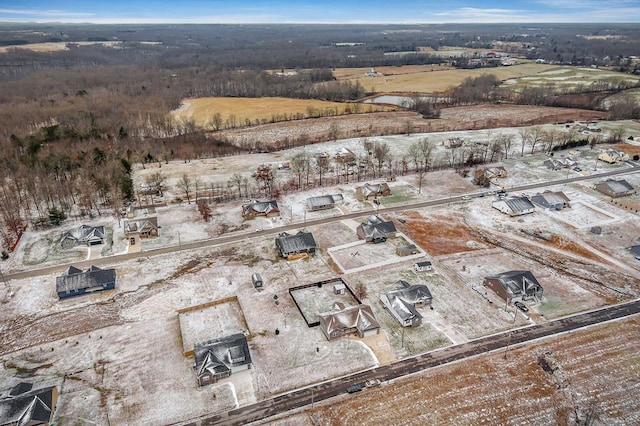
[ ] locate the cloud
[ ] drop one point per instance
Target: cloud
(45, 13)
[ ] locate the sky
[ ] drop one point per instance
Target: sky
(320, 11)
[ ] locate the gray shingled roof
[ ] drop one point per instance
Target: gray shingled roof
(221, 355)
(32, 407)
(519, 204)
(550, 199)
(518, 282)
(75, 279)
(297, 243)
(615, 187)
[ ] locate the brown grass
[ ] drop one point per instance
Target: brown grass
(262, 110)
(437, 235)
(429, 78)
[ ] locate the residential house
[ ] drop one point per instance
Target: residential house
(401, 302)
(23, 406)
(514, 206)
(291, 245)
(612, 156)
(495, 172)
(76, 282)
(220, 358)
(635, 250)
(376, 229)
(515, 285)
(615, 188)
(369, 190)
(423, 266)
(560, 163)
(324, 202)
(146, 227)
(85, 234)
(348, 320)
(551, 200)
(254, 208)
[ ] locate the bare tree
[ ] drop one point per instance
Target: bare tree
(235, 181)
(185, 184)
(525, 137)
(382, 154)
(265, 177)
(535, 137)
(322, 166)
(300, 166)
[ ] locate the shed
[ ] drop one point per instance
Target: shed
(257, 281)
(406, 250)
(423, 266)
(339, 288)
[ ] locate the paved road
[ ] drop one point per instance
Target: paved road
(113, 260)
(303, 397)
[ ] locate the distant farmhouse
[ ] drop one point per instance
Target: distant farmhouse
(514, 206)
(324, 202)
(402, 301)
(292, 246)
(515, 285)
(140, 228)
(612, 156)
(23, 406)
(84, 235)
(76, 282)
(255, 208)
(376, 229)
(220, 358)
(560, 163)
(344, 321)
(551, 200)
(372, 190)
(615, 188)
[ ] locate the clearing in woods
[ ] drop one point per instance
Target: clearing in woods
(252, 111)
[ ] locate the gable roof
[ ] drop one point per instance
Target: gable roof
(515, 205)
(375, 227)
(221, 355)
(85, 234)
(75, 279)
(260, 207)
(28, 408)
(297, 243)
(549, 199)
(518, 283)
(143, 225)
(374, 189)
(359, 317)
(615, 187)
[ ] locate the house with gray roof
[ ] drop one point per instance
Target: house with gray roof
(324, 202)
(554, 163)
(23, 406)
(255, 208)
(290, 245)
(342, 321)
(635, 250)
(515, 285)
(85, 235)
(76, 282)
(615, 188)
(219, 358)
(401, 302)
(551, 200)
(375, 190)
(376, 229)
(514, 206)
(145, 227)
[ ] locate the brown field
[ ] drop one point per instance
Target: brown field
(430, 78)
(264, 110)
(595, 375)
(55, 47)
(438, 235)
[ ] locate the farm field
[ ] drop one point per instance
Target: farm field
(244, 111)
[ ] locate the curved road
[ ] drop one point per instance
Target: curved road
(238, 237)
(303, 397)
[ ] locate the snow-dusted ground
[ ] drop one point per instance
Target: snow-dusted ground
(118, 355)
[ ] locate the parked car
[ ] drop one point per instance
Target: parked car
(372, 383)
(480, 195)
(521, 306)
(466, 197)
(355, 388)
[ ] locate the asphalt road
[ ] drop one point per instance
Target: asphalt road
(113, 260)
(310, 395)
